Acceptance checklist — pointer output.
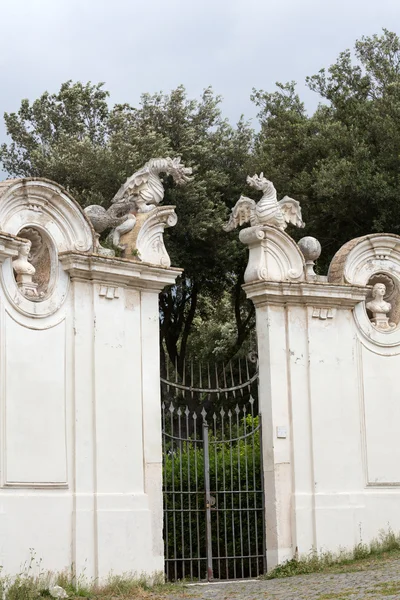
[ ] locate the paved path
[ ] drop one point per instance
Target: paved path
(381, 580)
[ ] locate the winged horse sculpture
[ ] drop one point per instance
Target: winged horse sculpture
(268, 211)
(140, 193)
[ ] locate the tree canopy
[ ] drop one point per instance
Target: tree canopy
(342, 163)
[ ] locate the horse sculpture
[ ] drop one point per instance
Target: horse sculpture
(141, 192)
(268, 211)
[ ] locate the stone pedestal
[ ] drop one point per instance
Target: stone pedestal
(145, 242)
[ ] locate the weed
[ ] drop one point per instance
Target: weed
(358, 559)
(389, 588)
(343, 595)
(30, 586)
(73, 586)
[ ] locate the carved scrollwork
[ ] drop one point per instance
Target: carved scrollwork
(273, 255)
(31, 202)
(150, 236)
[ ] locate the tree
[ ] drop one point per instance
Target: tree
(74, 138)
(342, 162)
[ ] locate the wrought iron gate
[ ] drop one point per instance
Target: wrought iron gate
(213, 485)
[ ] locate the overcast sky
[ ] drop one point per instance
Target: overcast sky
(138, 46)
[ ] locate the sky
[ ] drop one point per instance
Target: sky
(138, 46)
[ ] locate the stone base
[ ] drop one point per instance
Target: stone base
(29, 289)
(129, 240)
(97, 533)
(145, 242)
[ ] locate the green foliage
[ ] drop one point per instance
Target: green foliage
(214, 330)
(343, 161)
(235, 478)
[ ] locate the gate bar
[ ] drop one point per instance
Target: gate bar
(210, 575)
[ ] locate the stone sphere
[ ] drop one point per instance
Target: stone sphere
(310, 247)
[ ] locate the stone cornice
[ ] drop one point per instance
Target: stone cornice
(117, 271)
(359, 259)
(305, 293)
(9, 246)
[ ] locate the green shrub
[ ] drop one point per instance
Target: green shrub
(237, 521)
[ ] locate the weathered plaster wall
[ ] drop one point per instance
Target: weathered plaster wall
(329, 378)
(80, 443)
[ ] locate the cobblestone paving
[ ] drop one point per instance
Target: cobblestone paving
(380, 581)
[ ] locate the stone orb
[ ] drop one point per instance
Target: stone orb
(310, 247)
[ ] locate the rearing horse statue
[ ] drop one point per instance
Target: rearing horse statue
(268, 211)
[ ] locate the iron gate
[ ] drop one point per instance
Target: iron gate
(213, 485)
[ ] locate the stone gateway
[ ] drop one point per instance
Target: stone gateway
(80, 410)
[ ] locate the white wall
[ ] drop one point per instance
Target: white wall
(80, 443)
(330, 379)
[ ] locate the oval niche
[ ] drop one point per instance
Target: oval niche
(42, 257)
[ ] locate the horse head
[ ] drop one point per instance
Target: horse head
(179, 172)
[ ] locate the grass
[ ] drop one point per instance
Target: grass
(35, 584)
(30, 586)
(343, 595)
(362, 557)
(390, 588)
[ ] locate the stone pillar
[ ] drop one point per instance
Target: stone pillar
(120, 304)
(80, 458)
(296, 328)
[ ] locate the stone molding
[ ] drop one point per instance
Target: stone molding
(273, 255)
(50, 215)
(364, 261)
(25, 304)
(116, 272)
(44, 204)
(110, 273)
(323, 296)
(360, 258)
(9, 246)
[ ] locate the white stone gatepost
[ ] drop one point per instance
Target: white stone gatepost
(80, 442)
(297, 324)
(329, 358)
